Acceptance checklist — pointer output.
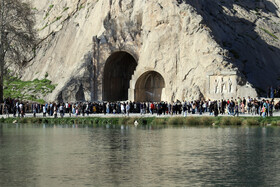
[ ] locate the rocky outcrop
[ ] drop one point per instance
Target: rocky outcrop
(217, 49)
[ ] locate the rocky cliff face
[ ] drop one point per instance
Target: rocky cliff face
(212, 49)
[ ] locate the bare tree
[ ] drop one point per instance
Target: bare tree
(17, 36)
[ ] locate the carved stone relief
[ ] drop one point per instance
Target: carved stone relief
(222, 84)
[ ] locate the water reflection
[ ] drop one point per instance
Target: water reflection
(64, 155)
(1, 131)
(11, 154)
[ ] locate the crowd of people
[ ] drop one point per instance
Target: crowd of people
(233, 107)
(273, 92)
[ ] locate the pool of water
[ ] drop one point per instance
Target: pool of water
(40, 155)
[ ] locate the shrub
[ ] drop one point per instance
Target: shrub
(192, 121)
(123, 121)
(176, 121)
(251, 122)
(159, 121)
(227, 121)
(207, 121)
(236, 121)
(131, 121)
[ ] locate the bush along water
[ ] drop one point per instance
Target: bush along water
(142, 121)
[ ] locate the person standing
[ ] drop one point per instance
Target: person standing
(236, 110)
(61, 112)
(51, 109)
(44, 111)
(34, 109)
(266, 105)
(108, 108)
(67, 107)
(122, 109)
(271, 92)
(94, 109)
(263, 111)
(271, 105)
(141, 108)
(77, 111)
(83, 108)
(127, 109)
(104, 108)
(185, 110)
(55, 110)
(14, 111)
(216, 109)
(152, 107)
(6, 110)
(87, 109)
(21, 110)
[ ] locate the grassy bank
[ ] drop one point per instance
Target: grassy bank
(33, 90)
(173, 121)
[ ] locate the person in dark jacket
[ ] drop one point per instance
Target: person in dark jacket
(216, 109)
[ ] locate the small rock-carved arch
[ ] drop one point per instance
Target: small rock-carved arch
(118, 70)
(149, 87)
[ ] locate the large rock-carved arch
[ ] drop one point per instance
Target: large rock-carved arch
(149, 87)
(118, 70)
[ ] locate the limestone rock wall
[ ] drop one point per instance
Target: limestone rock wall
(250, 32)
(212, 49)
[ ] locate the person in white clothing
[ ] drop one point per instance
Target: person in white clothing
(122, 108)
(127, 109)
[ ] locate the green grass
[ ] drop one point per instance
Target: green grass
(45, 26)
(56, 19)
(48, 11)
(142, 121)
(81, 6)
(27, 90)
(65, 9)
(269, 33)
